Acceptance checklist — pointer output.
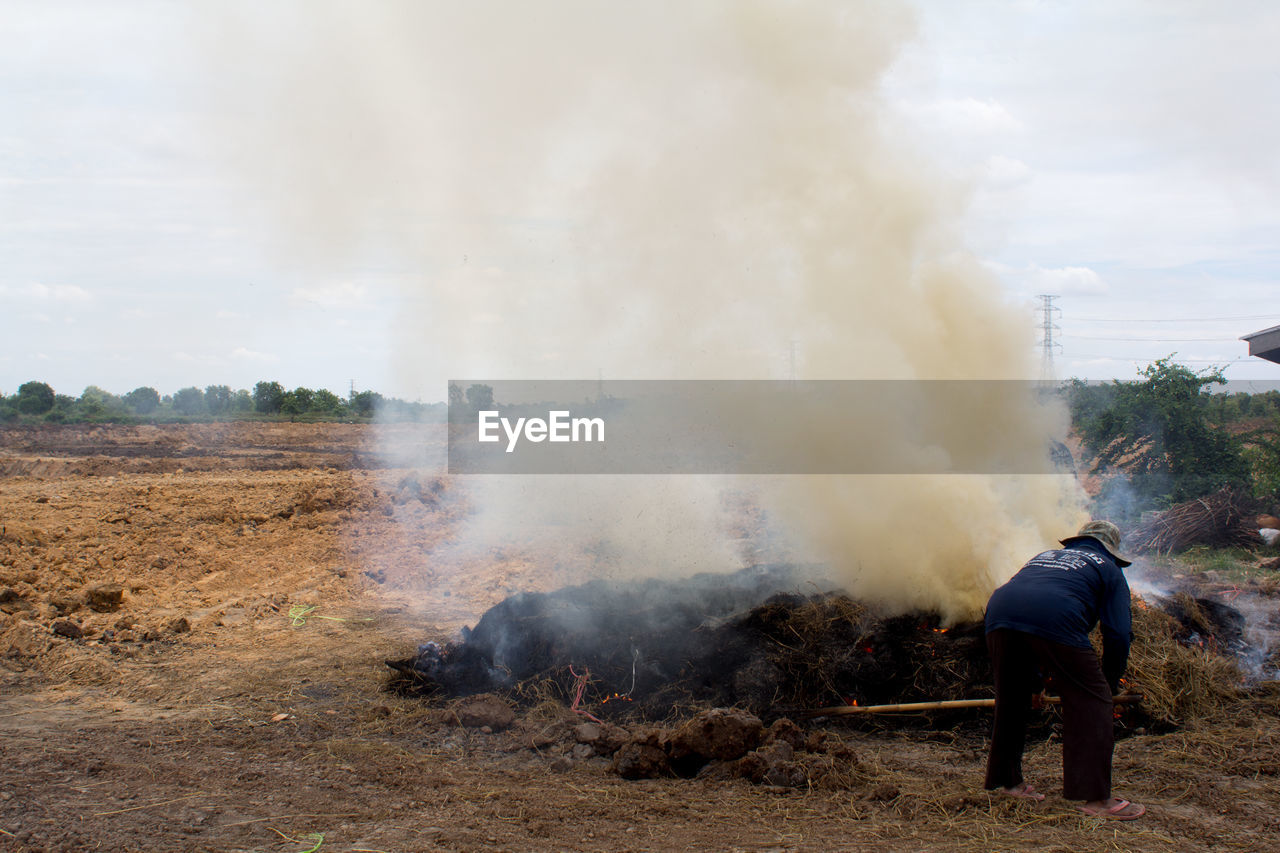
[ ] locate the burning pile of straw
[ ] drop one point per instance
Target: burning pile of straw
(1183, 664)
(657, 650)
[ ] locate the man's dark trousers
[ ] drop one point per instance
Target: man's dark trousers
(1087, 712)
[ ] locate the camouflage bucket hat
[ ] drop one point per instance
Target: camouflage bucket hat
(1107, 534)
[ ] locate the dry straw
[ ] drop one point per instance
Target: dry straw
(1179, 682)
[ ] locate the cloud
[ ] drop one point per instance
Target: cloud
(245, 354)
(1062, 281)
(340, 295)
(967, 116)
(38, 292)
(1000, 172)
(1068, 281)
(188, 358)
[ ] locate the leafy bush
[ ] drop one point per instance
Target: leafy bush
(143, 400)
(188, 401)
(366, 403)
(1263, 456)
(217, 399)
(1158, 432)
(268, 397)
(327, 402)
(35, 398)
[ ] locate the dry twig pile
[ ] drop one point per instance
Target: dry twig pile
(1221, 519)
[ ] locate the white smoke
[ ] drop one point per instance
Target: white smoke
(656, 190)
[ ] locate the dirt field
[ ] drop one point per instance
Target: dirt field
(204, 707)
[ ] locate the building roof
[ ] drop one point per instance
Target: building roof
(1265, 344)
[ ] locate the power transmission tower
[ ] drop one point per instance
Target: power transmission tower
(1048, 313)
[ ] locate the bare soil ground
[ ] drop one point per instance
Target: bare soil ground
(213, 710)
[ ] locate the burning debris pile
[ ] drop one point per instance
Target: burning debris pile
(655, 649)
(651, 647)
(1188, 657)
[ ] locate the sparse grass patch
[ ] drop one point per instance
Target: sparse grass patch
(1233, 563)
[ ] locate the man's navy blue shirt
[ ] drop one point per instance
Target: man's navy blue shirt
(1061, 595)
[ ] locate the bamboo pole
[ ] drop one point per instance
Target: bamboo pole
(941, 705)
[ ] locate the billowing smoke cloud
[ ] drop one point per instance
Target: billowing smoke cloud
(654, 190)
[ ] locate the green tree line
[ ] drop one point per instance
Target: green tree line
(1165, 438)
(1157, 440)
(37, 401)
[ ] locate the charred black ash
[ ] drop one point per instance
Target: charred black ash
(765, 639)
(1207, 623)
(632, 637)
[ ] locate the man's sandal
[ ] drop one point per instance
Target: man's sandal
(1120, 810)
(1023, 792)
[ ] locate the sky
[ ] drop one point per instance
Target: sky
(1121, 155)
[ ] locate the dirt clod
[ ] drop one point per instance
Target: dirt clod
(772, 765)
(65, 604)
(787, 732)
(105, 597)
(720, 733)
(67, 628)
(483, 710)
(639, 760)
(13, 601)
(611, 739)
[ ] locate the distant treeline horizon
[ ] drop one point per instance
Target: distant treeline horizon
(38, 402)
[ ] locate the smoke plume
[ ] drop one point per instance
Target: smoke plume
(654, 190)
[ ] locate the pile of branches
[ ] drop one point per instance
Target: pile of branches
(1221, 519)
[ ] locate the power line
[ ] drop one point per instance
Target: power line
(1152, 340)
(1224, 362)
(1175, 319)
